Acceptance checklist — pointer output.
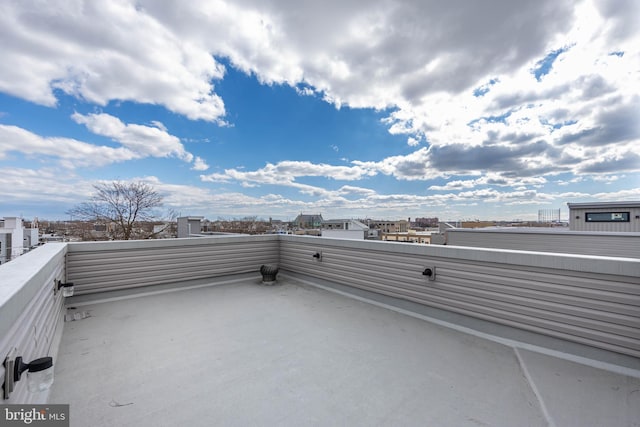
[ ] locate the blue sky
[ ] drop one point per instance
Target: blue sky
(349, 109)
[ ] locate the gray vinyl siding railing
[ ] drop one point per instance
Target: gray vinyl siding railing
(105, 266)
(589, 300)
(31, 313)
(626, 245)
(586, 299)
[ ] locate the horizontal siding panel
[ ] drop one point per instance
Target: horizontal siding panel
(603, 321)
(133, 281)
(132, 263)
(615, 245)
(177, 253)
(624, 304)
(406, 267)
(552, 284)
(407, 270)
(546, 328)
(121, 267)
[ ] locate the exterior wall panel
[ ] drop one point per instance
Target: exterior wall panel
(30, 312)
(97, 267)
(590, 300)
(601, 244)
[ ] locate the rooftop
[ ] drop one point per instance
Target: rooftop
(315, 350)
(233, 352)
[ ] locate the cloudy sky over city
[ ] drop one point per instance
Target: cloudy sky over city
(381, 109)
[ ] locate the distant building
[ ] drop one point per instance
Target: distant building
(605, 216)
(425, 222)
(344, 229)
(15, 239)
(476, 224)
(189, 225)
(401, 226)
(422, 237)
(308, 221)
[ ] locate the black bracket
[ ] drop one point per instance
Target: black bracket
(430, 272)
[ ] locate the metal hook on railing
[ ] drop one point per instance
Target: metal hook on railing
(430, 272)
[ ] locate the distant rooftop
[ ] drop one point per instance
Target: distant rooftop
(604, 204)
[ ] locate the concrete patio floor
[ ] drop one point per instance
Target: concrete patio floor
(238, 353)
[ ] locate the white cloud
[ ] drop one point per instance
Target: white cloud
(102, 51)
(137, 141)
(413, 142)
(145, 141)
(608, 179)
(630, 194)
(199, 164)
(425, 59)
(67, 152)
(45, 185)
(285, 173)
(491, 180)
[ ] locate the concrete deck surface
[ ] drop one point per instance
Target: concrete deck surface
(241, 354)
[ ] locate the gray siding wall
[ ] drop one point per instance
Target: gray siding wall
(31, 313)
(625, 245)
(104, 266)
(590, 300)
(585, 299)
(580, 223)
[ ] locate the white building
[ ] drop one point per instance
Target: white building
(15, 239)
(344, 229)
(189, 226)
(411, 236)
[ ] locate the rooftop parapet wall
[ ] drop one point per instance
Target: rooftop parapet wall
(585, 299)
(105, 266)
(31, 311)
(613, 244)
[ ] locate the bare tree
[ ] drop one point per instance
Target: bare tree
(121, 206)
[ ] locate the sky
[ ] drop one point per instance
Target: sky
(351, 109)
